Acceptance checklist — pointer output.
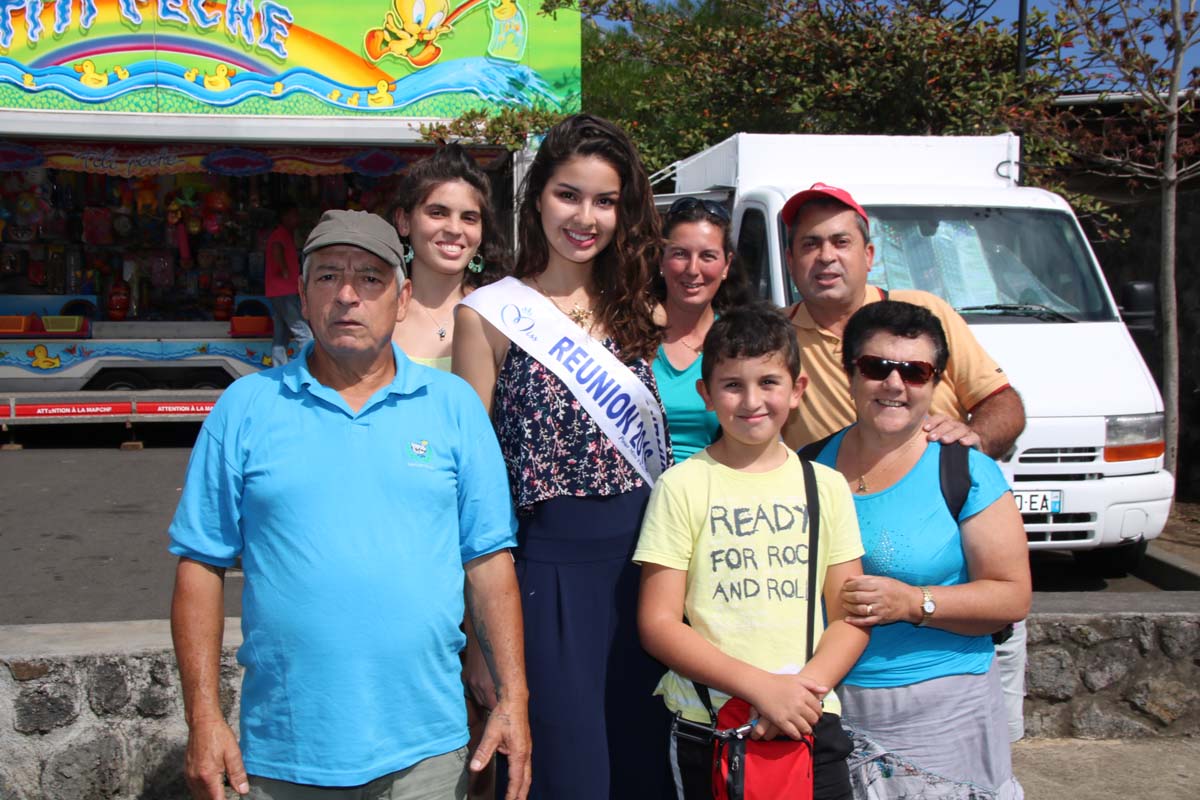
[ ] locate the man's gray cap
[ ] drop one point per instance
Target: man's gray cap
(362, 229)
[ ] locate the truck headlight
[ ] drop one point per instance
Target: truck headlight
(1132, 437)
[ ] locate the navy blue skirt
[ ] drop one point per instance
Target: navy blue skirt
(598, 731)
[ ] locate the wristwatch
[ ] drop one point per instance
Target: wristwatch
(927, 605)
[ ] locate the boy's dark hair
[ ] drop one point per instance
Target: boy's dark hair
(753, 330)
(899, 319)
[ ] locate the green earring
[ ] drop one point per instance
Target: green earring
(406, 252)
(476, 263)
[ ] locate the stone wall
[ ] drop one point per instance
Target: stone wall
(103, 725)
(108, 724)
(1114, 672)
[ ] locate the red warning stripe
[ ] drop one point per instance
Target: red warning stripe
(73, 409)
(175, 407)
(5, 411)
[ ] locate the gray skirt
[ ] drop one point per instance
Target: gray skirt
(941, 739)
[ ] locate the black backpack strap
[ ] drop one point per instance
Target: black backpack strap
(813, 502)
(811, 450)
(954, 470)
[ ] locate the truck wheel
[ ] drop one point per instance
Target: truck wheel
(1112, 562)
(118, 380)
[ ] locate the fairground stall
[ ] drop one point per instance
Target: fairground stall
(147, 147)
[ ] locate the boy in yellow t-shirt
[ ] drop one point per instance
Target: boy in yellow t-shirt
(724, 543)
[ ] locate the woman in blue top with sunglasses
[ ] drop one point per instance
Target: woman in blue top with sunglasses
(923, 704)
(697, 279)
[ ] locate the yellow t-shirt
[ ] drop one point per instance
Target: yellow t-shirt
(742, 538)
(971, 374)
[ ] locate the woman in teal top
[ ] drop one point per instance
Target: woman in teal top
(452, 244)
(698, 278)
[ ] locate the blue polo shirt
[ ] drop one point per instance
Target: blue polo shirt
(353, 529)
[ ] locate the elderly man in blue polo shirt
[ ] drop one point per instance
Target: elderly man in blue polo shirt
(358, 489)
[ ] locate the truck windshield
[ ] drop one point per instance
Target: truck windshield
(999, 263)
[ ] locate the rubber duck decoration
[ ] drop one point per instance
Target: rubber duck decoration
(220, 81)
(352, 100)
(122, 73)
(277, 88)
(28, 81)
(415, 22)
(89, 77)
(380, 98)
(190, 75)
(42, 359)
(335, 94)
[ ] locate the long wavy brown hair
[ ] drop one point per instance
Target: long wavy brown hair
(621, 274)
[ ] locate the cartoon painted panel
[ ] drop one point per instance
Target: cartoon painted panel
(422, 58)
(50, 356)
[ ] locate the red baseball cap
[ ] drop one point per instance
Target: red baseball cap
(792, 206)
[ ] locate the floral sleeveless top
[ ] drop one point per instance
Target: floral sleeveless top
(550, 443)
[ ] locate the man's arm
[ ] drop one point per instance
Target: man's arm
(996, 422)
(197, 625)
(494, 607)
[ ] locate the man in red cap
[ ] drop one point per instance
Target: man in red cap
(829, 255)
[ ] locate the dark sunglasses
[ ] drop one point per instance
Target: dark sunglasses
(685, 204)
(914, 373)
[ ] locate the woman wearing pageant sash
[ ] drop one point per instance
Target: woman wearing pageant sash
(698, 278)
(452, 244)
(588, 237)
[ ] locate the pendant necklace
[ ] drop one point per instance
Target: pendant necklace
(578, 314)
(884, 462)
(441, 329)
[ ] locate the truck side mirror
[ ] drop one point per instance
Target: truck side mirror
(1139, 306)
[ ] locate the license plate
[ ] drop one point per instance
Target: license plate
(1038, 502)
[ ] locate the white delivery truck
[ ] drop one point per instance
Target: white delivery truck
(948, 217)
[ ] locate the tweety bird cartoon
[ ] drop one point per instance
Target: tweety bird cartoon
(415, 25)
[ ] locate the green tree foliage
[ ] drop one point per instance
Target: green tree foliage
(683, 77)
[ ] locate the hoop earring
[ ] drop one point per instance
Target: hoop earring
(476, 263)
(406, 253)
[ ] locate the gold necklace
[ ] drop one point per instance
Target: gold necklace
(580, 315)
(887, 460)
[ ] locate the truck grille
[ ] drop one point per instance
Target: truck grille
(1059, 455)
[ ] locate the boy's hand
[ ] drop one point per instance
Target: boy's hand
(765, 729)
(792, 703)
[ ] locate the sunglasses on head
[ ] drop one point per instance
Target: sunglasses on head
(914, 373)
(685, 204)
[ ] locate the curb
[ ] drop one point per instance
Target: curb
(1168, 571)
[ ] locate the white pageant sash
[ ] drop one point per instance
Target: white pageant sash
(625, 410)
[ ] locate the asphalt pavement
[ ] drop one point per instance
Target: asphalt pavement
(83, 535)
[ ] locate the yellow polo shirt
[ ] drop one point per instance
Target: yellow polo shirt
(971, 374)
